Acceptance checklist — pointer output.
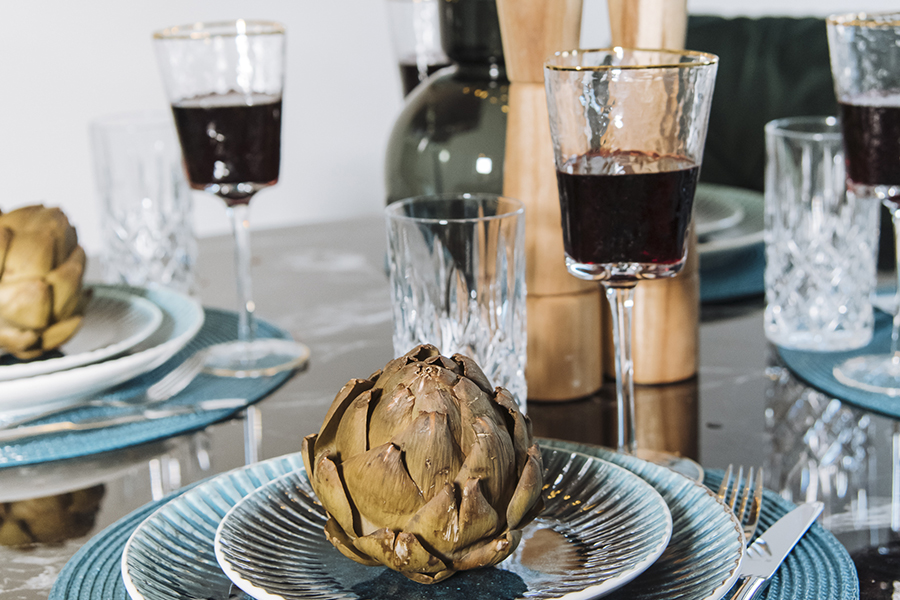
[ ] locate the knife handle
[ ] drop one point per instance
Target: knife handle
(751, 588)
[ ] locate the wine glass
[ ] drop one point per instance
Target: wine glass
(628, 128)
(865, 63)
(225, 81)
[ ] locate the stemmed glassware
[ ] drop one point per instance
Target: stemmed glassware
(865, 63)
(225, 82)
(628, 129)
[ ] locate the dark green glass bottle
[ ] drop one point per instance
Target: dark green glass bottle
(451, 134)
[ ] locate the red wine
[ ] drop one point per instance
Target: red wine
(872, 141)
(626, 207)
(230, 139)
(409, 74)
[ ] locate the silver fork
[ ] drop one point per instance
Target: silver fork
(749, 491)
(176, 380)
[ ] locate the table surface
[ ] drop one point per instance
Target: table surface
(326, 284)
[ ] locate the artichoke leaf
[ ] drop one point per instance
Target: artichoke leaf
(378, 545)
(65, 280)
(30, 255)
(490, 458)
(471, 370)
(326, 482)
(344, 543)
(437, 523)
(475, 404)
(429, 579)
(432, 456)
(351, 435)
(477, 518)
(26, 303)
(59, 332)
(19, 342)
(489, 552)
(411, 556)
(526, 499)
(517, 423)
(325, 444)
(433, 389)
(381, 488)
(5, 239)
(391, 415)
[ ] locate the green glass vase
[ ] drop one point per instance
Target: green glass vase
(451, 134)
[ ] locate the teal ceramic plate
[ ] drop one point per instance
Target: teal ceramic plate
(600, 528)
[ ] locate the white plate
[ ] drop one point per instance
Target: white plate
(601, 527)
(182, 319)
(713, 213)
(114, 322)
(170, 554)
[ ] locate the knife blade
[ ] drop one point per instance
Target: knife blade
(26, 431)
(765, 555)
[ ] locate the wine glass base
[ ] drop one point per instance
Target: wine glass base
(259, 358)
(877, 373)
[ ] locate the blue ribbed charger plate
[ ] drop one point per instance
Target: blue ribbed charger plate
(219, 326)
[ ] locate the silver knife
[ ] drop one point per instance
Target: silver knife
(27, 431)
(765, 555)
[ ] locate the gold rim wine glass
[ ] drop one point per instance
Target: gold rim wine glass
(628, 129)
(225, 83)
(865, 54)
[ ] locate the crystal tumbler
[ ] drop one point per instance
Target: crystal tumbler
(146, 204)
(457, 271)
(820, 251)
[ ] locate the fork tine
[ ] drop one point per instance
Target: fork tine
(177, 379)
(736, 490)
(752, 519)
(722, 493)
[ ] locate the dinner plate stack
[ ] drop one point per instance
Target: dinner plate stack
(627, 530)
(126, 332)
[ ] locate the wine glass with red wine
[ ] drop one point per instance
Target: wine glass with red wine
(225, 81)
(628, 129)
(865, 63)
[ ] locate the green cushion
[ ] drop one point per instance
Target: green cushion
(769, 68)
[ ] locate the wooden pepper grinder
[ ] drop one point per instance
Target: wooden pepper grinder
(666, 314)
(564, 313)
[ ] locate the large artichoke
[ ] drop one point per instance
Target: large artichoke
(41, 271)
(424, 468)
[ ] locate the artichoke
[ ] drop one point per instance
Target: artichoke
(424, 468)
(51, 519)
(41, 271)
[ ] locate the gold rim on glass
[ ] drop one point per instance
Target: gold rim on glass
(705, 59)
(199, 31)
(861, 19)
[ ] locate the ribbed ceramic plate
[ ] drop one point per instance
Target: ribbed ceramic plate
(114, 321)
(601, 527)
(722, 245)
(714, 213)
(182, 319)
(170, 555)
(705, 552)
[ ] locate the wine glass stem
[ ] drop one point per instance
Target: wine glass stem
(621, 301)
(895, 329)
(240, 225)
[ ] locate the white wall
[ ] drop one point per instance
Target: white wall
(65, 63)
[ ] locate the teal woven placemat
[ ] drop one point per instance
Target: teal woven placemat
(219, 326)
(815, 369)
(819, 567)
